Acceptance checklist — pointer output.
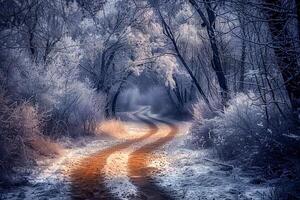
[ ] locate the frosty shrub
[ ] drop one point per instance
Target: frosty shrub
(240, 129)
(201, 129)
(88, 111)
(56, 88)
(21, 135)
(18, 122)
(76, 111)
(201, 134)
(247, 131)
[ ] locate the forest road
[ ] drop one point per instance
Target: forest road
(139, 172)
(88, 179)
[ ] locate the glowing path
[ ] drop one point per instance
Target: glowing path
(120, 171)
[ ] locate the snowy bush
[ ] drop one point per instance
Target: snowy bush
(241, 128)
(76, 112)
(57, 88)
(201, 129)
(247, 130)
(21, 135)
(87, 111)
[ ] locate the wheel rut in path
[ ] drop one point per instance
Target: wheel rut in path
(139, 172)
(88, 179)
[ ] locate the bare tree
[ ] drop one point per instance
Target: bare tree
(209, 23)
(243, 54)
(283, 45)
(170, 35)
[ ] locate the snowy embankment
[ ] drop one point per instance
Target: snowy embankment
(188, 174)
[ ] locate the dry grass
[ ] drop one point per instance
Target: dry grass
(113, 128)
(21, 135)
(45, 147)
(122, 130)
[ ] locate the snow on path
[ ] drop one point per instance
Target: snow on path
(181, 172)
(116, 168)
(88, 178)
(52, 179)
(117, 179)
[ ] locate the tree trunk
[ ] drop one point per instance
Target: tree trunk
(284, 50)
(242, 20)
(242, 70)
(115, 98)
(298, 17)
(114, 102)
(216, 61)
(168, 32)
(107, 108)
(194, 79)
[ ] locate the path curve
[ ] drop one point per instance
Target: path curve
(88, 179)
(139, 172)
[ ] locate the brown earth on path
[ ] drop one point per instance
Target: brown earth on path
(139, 172)
(88, 178)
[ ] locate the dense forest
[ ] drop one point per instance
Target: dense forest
(226, 72)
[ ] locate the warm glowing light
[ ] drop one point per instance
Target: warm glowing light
(125, 164)
(116, 166)
(122, 130)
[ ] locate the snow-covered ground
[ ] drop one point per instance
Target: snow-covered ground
(51, 179)
(183, 173)
(186, 174)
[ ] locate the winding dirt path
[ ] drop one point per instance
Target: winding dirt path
(139, 172)
(88, 178)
